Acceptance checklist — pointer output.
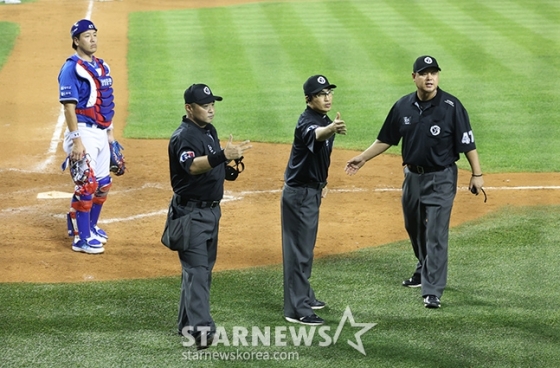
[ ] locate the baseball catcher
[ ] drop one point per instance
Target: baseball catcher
(118, 166)
(86, 94)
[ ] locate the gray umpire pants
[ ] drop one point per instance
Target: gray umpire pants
(300, 221)
(427, 200)
(197, 263)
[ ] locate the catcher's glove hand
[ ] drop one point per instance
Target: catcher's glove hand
(118, 166)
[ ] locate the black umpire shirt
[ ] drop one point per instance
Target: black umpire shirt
(309, 159)
(434, 132)
(186, 143)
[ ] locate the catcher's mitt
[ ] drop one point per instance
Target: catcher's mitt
(118, 166)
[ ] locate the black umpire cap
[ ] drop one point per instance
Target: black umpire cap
(315, 84)
(425, 62)
(200, 94)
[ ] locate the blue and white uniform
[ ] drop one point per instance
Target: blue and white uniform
(89, 85)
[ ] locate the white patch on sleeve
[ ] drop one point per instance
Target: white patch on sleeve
(187, 155)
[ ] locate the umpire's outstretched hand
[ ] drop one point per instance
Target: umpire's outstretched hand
(339, 125)
(354, 164)
(233, 152)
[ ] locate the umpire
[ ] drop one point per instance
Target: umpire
(435, 129)
(197, 167)
(305, 185)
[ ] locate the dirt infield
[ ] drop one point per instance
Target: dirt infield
(361, 211)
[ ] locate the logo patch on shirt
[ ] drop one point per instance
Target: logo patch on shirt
(449, 102)
(406, 120)
(106, 82)
(435, 130)
(186, 155)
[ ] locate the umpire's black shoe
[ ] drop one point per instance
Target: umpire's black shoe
(317, 304)
(204, 343)
(432, 301)
(413, 282)
(311, 320)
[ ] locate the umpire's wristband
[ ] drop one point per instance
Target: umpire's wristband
(216, 159)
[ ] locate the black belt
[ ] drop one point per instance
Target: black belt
(425, 169)
(184, 201)
(313, 185)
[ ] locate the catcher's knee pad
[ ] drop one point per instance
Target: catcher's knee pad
(103, 187)
(82, 203)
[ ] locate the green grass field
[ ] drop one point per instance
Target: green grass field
(8, 34)
(499, 58)
(500, 308)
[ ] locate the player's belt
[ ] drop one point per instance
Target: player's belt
(425, 169)
(314, 185)
(185, 201)
(90, 125)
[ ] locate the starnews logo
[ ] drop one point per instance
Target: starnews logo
(281, 336)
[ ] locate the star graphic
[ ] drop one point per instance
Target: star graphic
(347, 315)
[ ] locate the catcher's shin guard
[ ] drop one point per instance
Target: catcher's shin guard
(81, 203)
(72, 224)
(104, 185)
(82, 224)
(94, 214)
(78, 223)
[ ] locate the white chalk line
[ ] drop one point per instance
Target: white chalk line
(53, 146)
(230, 196)
(550, 187)
(356, 190)
(132, 218)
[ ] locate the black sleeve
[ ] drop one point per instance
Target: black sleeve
(186, 149)
(464, 137)
(306, 130)
(390, 131)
